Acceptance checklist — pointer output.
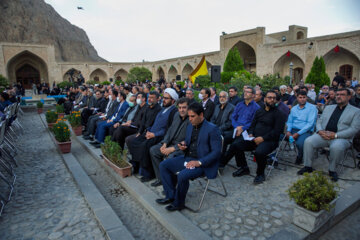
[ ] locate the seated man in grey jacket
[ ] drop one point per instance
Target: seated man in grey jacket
(168, 147)
(335, 129)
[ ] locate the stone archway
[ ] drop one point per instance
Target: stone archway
(282, 66)
(247, 54)
(27, 68)
(98, 75)
(72, 75)
(160, 73)
(121, 74)
(335, 62)
(172, 73)
(187, 70)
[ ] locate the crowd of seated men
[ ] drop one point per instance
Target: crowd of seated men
(172, 138)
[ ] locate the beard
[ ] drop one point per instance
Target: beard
(271, 106)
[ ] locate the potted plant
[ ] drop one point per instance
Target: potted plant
(60, 110)
(51, 118)
(39, 106)
(62, 135)
(115, 157)
(75, 121)
(315, 198)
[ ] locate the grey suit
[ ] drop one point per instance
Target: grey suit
(225, 122)
(348, 125)
(175, 134)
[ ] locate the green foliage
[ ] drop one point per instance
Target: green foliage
(65, 84)
(317, 74)
(4, 82)
(112, 151)
(313, 192)
(106, 83)
(39, 105)
(51, 116)
(203, 80)
(245, 78)
(118, 82)
(74, 119)
(61, 131)
(233, 61)
(60, 108)
(227, 76)
(138, 73)
(91, 82)
(181, 83)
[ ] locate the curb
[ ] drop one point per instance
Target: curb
(105, 215)
(176, 223)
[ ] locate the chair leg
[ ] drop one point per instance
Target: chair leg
(202, 199)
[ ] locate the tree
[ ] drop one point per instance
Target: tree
(203, 80)
(138, 74)
(317, 74)
(3, 81)
(233, 61)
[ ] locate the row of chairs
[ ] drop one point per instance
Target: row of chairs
(10, 129)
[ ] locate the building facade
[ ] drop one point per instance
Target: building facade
(262, 53)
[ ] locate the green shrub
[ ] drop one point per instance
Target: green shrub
(233, 61)
(91, 82)
(203, 81)
(39, 105)
(118, 82)
(181, 83)
(4, 82)
(313, 192)
(112, 151)
(60, 108)
(106, 83)
(51, 116)
(61, 131)
(74, 119)
(138, 74)
(65, 84)
(317, 74)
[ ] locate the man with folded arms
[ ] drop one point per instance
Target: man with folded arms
(335, 129)
(202, 152)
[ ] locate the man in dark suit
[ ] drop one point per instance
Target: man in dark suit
(233, 97)
(168, 147)
(207, 104)
(222, 115)
(213, 96)
(202, 152)
(99, 105)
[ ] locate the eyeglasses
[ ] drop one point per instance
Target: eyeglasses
(271, 98)
(222, 96)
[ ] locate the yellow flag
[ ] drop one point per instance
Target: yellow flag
(201, 69)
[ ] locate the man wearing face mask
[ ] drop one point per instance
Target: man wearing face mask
(128, 116)
(103, 127)
(110, 110)
(209, 106)
(140, 146)
(131, 126)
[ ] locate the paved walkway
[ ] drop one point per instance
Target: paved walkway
(46, 203)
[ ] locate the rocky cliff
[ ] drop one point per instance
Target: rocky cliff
(34, 21)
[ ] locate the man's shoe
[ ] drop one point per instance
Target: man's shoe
(333, 176)
(156, 183)
(259, 179)
(173, 208)
(164, 201)
(241, 172)
(146, 179)
(298, 161)
(304, 170)
(95, 142)
(98, 145)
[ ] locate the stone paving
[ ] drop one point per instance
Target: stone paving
(46, 203)
(252, 211)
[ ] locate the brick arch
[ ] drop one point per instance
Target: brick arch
(71, 75)
(172, 72)
(34, 61)
(282, 66)
(121, 74)
(98, 75)
(247, 53)
(186, 71)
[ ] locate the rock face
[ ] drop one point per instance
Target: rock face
(34, 21)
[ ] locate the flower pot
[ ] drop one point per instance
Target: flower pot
(61, 115)
(123, 172)
(50, 125)
(312, 221)
(77, 130)
(65, 147)
(40, 110)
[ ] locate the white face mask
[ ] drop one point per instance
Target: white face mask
(138, 101)
(118, 99)
(200, 96)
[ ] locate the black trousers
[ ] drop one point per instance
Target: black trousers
(85, 114)
(238, 147)
(120, 133)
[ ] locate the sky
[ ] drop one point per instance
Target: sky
(151, 30)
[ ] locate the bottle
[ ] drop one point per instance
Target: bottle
(291, 141)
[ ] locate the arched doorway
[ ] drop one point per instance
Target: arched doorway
(299, 35)
(343, 61)
(247, 54)
(187, 70)
(27, 68)
(160, 73)
(98, 75)
(27, 76)
(172, 73)
(282, 67)
(72, 75)
(121, 75)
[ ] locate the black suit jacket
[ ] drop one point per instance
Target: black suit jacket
(209, 109)
(225, 123)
